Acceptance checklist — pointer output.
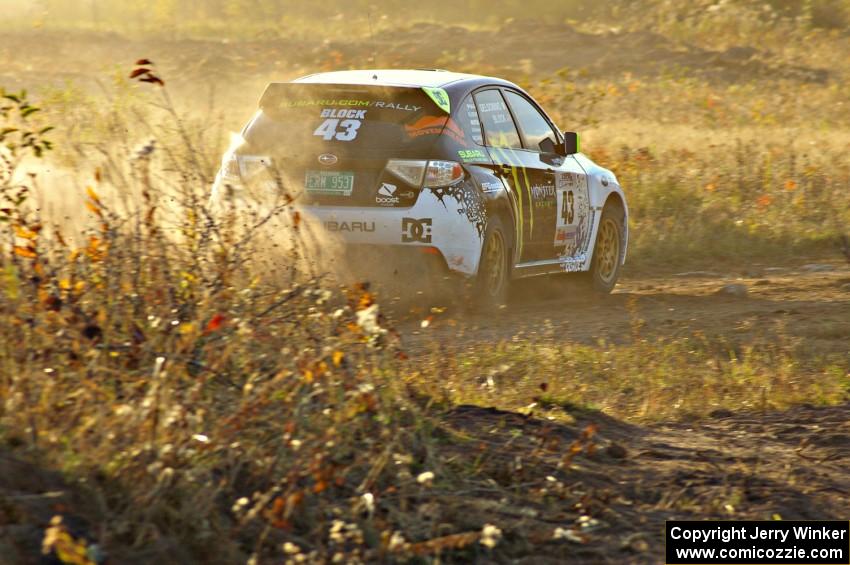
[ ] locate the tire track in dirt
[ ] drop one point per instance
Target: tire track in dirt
(812, 306)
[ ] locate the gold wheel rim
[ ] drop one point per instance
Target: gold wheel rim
(608, 249)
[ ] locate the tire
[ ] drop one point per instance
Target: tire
(490, 290)
(607, 251)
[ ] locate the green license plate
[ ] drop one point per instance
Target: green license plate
(329, 182)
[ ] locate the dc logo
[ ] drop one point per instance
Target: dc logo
(413, 230)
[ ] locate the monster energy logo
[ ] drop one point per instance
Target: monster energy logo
(508, 156)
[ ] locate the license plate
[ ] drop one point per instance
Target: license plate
(329, 182)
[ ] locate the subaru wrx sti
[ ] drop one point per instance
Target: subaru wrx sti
(464, 173)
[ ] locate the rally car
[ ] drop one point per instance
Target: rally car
(462, 172)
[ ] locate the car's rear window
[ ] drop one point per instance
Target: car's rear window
(350, 119)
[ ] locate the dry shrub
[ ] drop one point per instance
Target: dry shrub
(211, 410)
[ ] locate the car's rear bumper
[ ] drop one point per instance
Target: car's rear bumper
(440, 220)
(395, 266)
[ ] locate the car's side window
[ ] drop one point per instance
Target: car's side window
(466, 117)
(534, 126)
(499, 127)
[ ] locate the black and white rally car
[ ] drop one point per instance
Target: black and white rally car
(463, 171)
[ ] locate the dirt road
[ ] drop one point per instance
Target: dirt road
(757, 465)
(789, 465)
(810, 301)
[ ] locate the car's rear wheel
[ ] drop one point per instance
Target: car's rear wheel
(608, 251)
(493, 279)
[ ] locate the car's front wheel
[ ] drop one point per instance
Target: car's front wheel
(608, 251)
(493, 279)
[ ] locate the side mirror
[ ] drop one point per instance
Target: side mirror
(572, 143)
(548, 146)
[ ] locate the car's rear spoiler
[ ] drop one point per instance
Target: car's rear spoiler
(279, 95)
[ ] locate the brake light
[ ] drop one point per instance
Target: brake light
(443, 173)
(426, 173)
(409, 171)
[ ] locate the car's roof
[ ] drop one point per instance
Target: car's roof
(395, 77)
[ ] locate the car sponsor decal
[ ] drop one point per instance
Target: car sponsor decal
(564, 235)
(387, 195)
(334, 226)
(340, 124)
(567, 180)
(435, 125)
(543, 195)
(574, 213)
(377, 104)
(469, 203)
(542, 191)
(415, 230)
(474, 122)
(394, 106)
(343, 113)
(573, 264)
(471, 155)
(323, 102)
(440, 98)
(491, 186)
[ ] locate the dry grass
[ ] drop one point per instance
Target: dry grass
(217, 404)
(647, 380)
(199, 402)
